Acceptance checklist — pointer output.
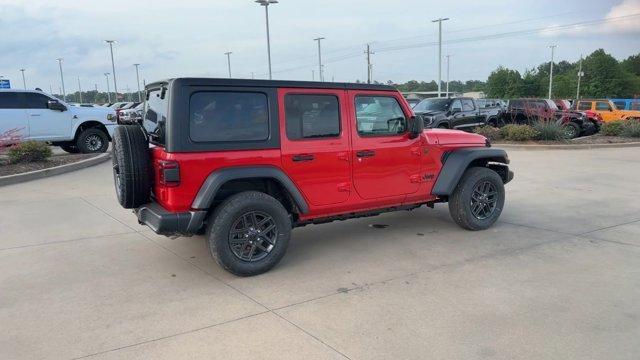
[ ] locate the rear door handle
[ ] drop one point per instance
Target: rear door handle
(365, 153)
(303, 157)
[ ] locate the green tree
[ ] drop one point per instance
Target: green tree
(632, 64)
(504, 83)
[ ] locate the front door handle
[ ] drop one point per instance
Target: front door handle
(303, 157)
(365, 153)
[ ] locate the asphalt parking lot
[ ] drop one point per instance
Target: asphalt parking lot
(558, 277)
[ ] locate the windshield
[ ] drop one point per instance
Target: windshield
(155, 115)
(432, 105)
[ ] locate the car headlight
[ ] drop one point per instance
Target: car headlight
(110, 117)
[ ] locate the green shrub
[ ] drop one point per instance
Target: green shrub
(490, 132)
(631, 128)
(29, 151)
(514, 132)
(612, 128)
(548, 130)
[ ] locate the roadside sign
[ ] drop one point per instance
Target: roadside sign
(5, 84)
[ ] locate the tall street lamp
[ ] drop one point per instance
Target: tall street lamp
(448, 61)
(553, 47)
(580, 75)
(138, 82)
(79, 90)
(24, 82)
(266, 4)
(321, 75)
(439, 21)
(108, 90)
(113, 68)
(64, 93)
(228, 53)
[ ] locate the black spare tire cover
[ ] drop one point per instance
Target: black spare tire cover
(131, 166)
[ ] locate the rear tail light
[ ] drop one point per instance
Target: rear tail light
(168, 173)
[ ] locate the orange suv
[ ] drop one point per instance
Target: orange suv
(606, 109)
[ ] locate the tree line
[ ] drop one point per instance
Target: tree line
(604, 77)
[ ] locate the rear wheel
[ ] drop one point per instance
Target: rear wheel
(478, 199)
(248, 234)
(92, 140)
(131, 163)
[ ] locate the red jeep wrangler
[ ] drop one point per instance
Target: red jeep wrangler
(245, 161)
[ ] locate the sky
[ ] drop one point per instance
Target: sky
(190, 37)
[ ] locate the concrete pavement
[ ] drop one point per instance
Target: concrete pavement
(557, 277)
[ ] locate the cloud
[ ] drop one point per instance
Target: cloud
(622, 19)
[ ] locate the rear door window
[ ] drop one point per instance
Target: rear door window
(10, 100)
(312, 116)
(228, 116)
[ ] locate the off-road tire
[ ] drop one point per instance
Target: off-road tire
(220, 223)
(131, 166)
(460, 201)
(571, 131)
(92, 140)
(71, 149)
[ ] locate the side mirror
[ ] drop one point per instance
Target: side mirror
(416, 125)
(56, 105)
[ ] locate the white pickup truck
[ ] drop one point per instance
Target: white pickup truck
(34, 115)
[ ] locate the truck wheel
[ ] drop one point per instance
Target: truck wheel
(571, 131)
(249, 233)
(92, 140)
(131, 166)
(71, 149)
(478, 199)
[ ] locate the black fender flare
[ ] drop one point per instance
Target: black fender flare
(216, 179)
(456, 162)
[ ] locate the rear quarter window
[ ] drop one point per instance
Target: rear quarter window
(228, 116)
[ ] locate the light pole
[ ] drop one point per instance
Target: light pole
(580, 75)
(64, 94)
(553, 47)
(266, 4)
(228, 53)
(79, 90)
(108, 90)
(24, 82)
(448, 61)
(439, 21)
(320, 73)
(113, 68)
(138, 82)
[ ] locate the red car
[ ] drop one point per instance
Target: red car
(245, 161)
(593, 117)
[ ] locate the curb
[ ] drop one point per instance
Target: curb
(56, 170)
(567, 146)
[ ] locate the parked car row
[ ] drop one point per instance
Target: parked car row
(582, 118)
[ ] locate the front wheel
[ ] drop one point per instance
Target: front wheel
(478, 199)
(248, 234)
(571, 131)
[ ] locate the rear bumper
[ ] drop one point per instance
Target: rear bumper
(164, 222)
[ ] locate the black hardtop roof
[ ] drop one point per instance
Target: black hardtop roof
(269, 83)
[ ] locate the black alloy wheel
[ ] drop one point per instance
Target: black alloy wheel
(253, 235)
(483, 200)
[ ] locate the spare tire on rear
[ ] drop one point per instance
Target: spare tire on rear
(131, 164)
